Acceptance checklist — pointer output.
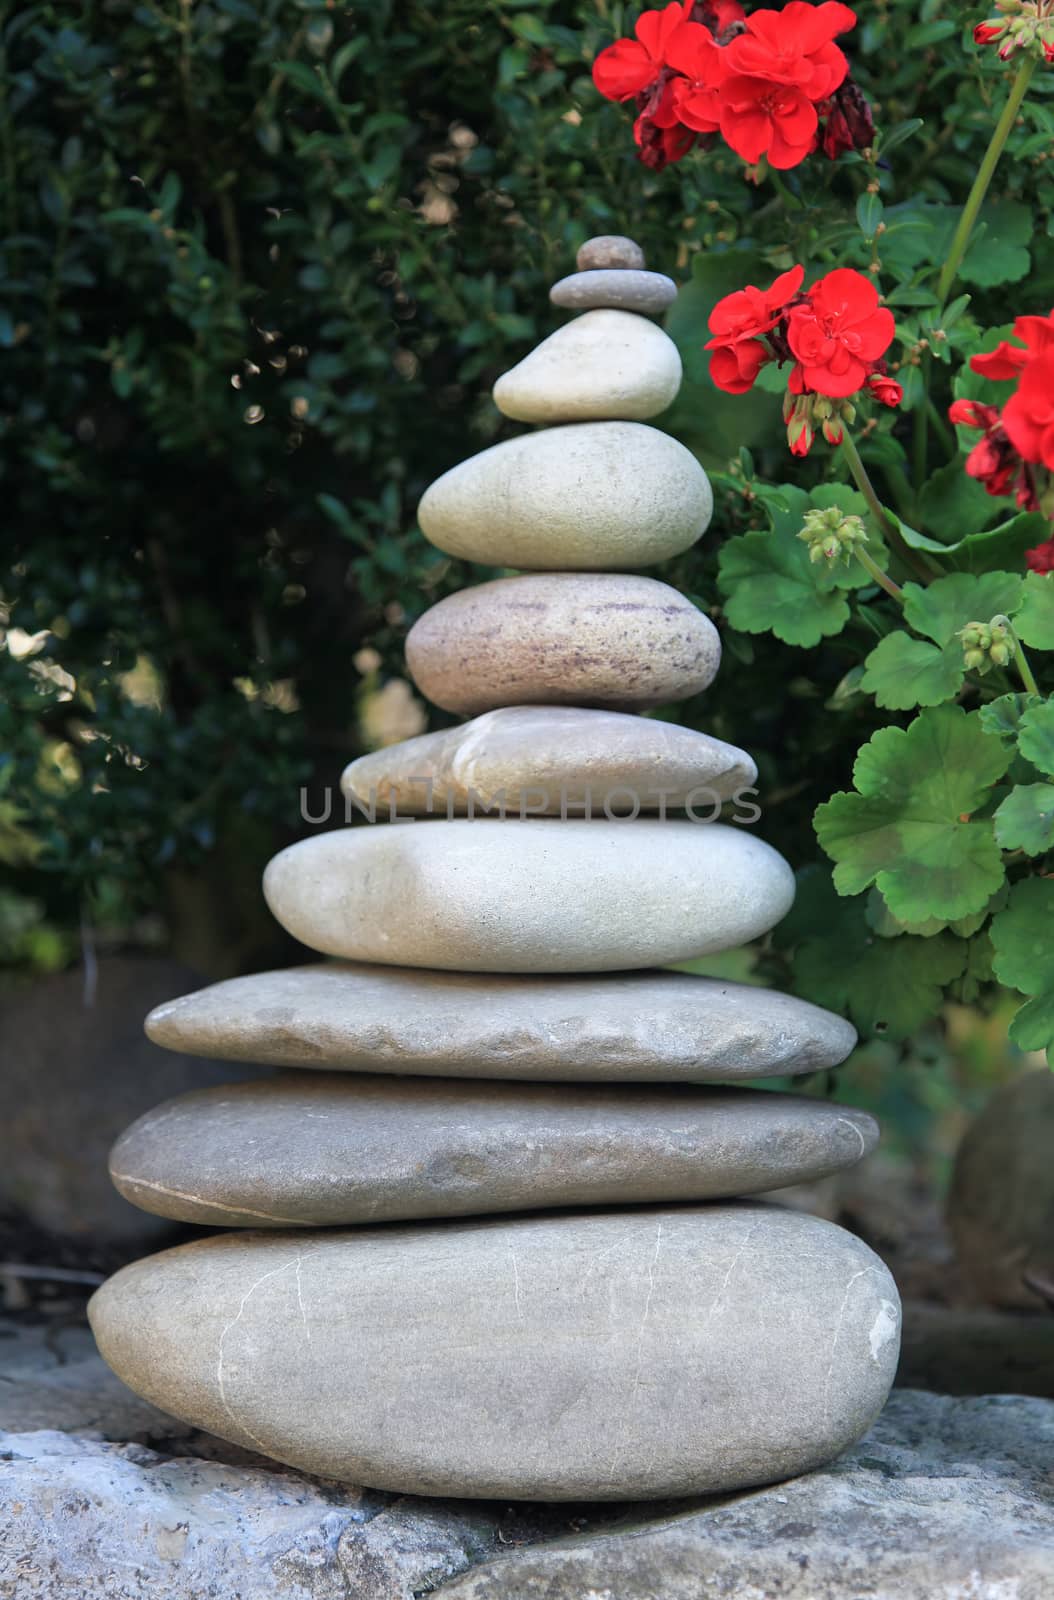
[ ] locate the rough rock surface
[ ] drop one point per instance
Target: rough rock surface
(575, 757)
(629, 1027)
(535, 896)
(77, 1070)
(942, 1500)
(648, 293)
(585, 1355)
(562, 638)
(592, 495)
(604, 364)
(322, 1148)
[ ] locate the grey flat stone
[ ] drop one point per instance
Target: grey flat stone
(636, 1026)
(609, 250)
(648, 293)
(562, 638)
(572, 755)
(607, 1355)
(318, 1149)
(604, 364)
(543, 895)
(590, 496)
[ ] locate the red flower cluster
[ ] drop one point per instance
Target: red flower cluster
(1026, 25)
(835, 333)
(773, 84)
(1019, 439)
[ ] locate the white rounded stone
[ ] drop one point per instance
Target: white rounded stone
(609, 250)
(590, 496)
(577, 757)
(536, 896)
(642, 1353)
(562, 638)
(603, 364)
(647, 1027)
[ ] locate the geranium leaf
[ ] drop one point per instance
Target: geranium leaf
(1025, 820)
(772, 587)
(1032, 1028)
(1035, 738)
(1003, 715)
(1021, 937)
(947, 605)
(909, 829)
(902, 672)
(1035, 619)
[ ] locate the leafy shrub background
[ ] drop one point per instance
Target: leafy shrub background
(262, 264)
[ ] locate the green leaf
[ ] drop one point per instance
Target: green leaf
(902, 672)
(1035, 738)
(909, 829)
(1034, 623)
(1021, 937)
(1032, 1028)
(1003, 715)
(888, 987)
(999, 254)
(771, 586)
(948, 604)
(1025, 820)
(307, 79)
(951, 500)
(869, 209)
(898, 135)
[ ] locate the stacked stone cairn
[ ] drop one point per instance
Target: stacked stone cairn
(492, 1236)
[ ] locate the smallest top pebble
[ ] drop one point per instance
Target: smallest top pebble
(609, 250)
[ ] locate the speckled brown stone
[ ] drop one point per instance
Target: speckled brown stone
(609, 250)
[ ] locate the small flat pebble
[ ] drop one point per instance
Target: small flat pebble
(647, 293)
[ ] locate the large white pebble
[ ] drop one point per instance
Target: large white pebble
(604, 364)
(588, 496)
(541, 895)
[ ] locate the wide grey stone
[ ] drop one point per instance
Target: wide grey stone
(317, 1149)
(942, 1500)
(572, 757)
(648, 293)
(588, 496)
(562, 638)
(636, 1026)
(609, 250)
(606, 1355)
(542, 895)
(76, 1070)
(604, 364)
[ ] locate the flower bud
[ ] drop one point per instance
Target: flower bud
(832, 535)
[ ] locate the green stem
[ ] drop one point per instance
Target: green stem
(968, 220)
(880, 577)
(782, 190)
(885, 522)
(1025, 672)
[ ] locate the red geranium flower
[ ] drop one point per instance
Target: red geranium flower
(629, 66)
(1041, 558)
(795, 46)
(1007, 360)
(763, 118)
(1028, 415)
(994, 461)
(885, 389)
(840, 333)
(693, 52)
(739, 321)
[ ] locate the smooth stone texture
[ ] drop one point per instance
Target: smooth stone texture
(591, 495)
(323, 1149)
(626, 1027)
(603, 364)
(641, 1353)
(647, 293)
(543, 895)
(562, 638)
(609, 250)
(571, 754)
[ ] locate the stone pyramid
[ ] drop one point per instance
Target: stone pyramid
(492, 1236)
